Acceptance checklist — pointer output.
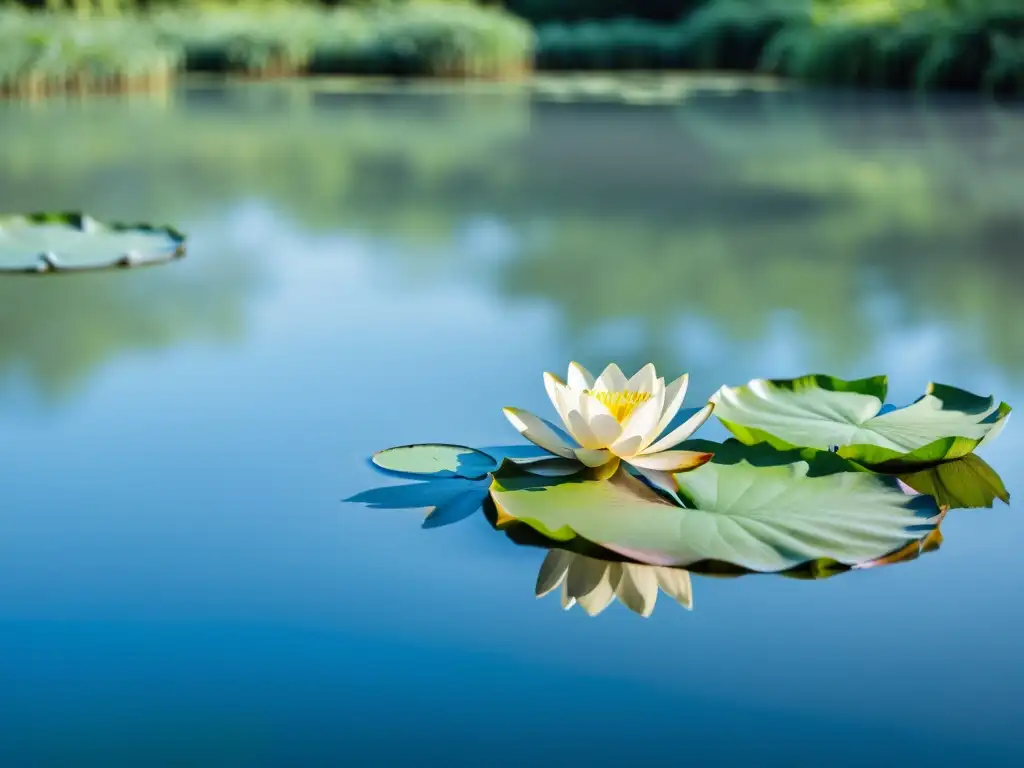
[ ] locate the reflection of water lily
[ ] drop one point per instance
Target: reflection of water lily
(615, 417)
(594, 584)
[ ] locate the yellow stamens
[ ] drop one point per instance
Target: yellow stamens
(621, 404)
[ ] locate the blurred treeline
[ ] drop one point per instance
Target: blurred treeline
(908, 44)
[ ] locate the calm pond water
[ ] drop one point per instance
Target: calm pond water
(180, 580)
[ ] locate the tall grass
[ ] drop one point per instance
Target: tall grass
(43, 53)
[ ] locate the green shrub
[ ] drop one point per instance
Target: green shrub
(427, 39)
(731, 34)
(926, 50)
(41, 54)
(547, 11)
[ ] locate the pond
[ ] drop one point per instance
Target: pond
(181, 581)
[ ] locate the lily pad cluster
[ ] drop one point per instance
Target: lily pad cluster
(821, 478)
(73, 242)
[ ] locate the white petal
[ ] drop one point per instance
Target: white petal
(676, 584)
(579, 377)
(682, 432)
(640, 425)
(643, 380)
(612, 379)
(605, 427)
(552, 571)
(675, 393)
(638, 588)
(563, 400)
(580, 429)
(592, 582)
(567, 602)
(537, 432)
(552, 384)
(594, 458)
(671, 461)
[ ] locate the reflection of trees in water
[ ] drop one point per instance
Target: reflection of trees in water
(728, 207)
(327, 161)
(58, 330)
(781, 205)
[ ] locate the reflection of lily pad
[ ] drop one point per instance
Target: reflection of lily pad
(967, 483)
(760, 518)
(436, 460)
(58, 242)
(822, 411)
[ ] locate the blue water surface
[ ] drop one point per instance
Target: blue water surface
(180, 580)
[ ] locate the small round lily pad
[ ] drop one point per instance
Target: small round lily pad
(70, 242)
(436, 460)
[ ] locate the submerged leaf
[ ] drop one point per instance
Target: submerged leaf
(436, 460)
(824, 412)
(762, 518)
(66, 242)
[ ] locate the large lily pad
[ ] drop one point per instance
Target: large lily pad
(66, 242)
(762, 518)
(825, 413)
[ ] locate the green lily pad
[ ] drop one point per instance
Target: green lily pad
(762, 518)
(436, 460)
(966, 483)
(67, 242)
(824, 412)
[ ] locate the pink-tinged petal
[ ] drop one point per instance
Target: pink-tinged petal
(594, 458)
(643, 380)
(579, 377)
(671, 461)
(675, 393)
(605, 427)
(537, 432)
(682, 432)
(612, 379)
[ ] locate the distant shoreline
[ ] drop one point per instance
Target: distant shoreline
(60, 54)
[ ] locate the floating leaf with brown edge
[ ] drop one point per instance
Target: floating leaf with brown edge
(72, 242)
(966, 483)
(827, 413)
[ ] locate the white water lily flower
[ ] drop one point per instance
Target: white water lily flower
(614, 417)
(594, 584)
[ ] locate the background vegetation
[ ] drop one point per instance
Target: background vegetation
(921, 44)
